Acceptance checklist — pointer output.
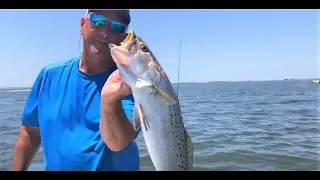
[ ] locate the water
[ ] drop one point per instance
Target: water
(271, 125)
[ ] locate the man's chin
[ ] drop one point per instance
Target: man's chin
(100, 53)
(99, 48)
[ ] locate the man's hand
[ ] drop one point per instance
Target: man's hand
(116, 129)
(115, 88)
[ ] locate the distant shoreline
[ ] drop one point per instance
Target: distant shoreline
(305, 79)
(15, 88)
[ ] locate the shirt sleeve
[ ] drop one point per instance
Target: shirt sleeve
(30, 113)
(128, 106)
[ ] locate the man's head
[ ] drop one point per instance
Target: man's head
(100, 27)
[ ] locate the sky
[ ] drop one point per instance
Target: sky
(217, 45)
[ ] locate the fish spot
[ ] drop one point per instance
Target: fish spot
(172, 149)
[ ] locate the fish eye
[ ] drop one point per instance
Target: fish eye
(143, 48)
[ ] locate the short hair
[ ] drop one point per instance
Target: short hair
(125, 13)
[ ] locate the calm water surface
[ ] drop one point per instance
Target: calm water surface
(271, 125)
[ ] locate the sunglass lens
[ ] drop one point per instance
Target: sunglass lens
(97, 19)
(118, 27)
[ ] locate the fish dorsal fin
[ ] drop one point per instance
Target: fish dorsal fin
(189, 152)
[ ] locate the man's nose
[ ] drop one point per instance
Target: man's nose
(106, 30)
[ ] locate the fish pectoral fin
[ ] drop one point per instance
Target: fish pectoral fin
(159, 94)
(142, 83)
(139, 117)
(136, 116)
(163, 96)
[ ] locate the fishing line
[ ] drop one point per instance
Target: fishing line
(179, 67)
(79, 45)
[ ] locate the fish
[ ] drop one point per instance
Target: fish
(156, 106)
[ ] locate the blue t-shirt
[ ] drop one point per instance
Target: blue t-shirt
(65, 104)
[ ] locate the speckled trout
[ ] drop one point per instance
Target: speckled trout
(156, 110)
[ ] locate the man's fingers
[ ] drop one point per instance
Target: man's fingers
(125, 87)
(115, 76)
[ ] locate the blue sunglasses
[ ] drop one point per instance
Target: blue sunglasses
(99, 21)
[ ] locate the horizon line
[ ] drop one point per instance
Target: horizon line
(29, 87)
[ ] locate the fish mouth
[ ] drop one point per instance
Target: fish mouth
(122, 54)
(130, 37)
(128, 41)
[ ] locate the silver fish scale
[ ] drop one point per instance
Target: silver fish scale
(168, 143)
(166, 86)
(162, 80)
(184, 147)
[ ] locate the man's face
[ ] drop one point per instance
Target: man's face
(101, 27)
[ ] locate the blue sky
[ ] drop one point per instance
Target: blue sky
(217, 45)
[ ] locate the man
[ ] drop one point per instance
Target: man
(79, 109)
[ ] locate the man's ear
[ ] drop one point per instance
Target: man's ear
(82, 22)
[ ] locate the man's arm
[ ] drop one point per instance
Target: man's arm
(26, 147)
(28, 141)
(116, 129)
